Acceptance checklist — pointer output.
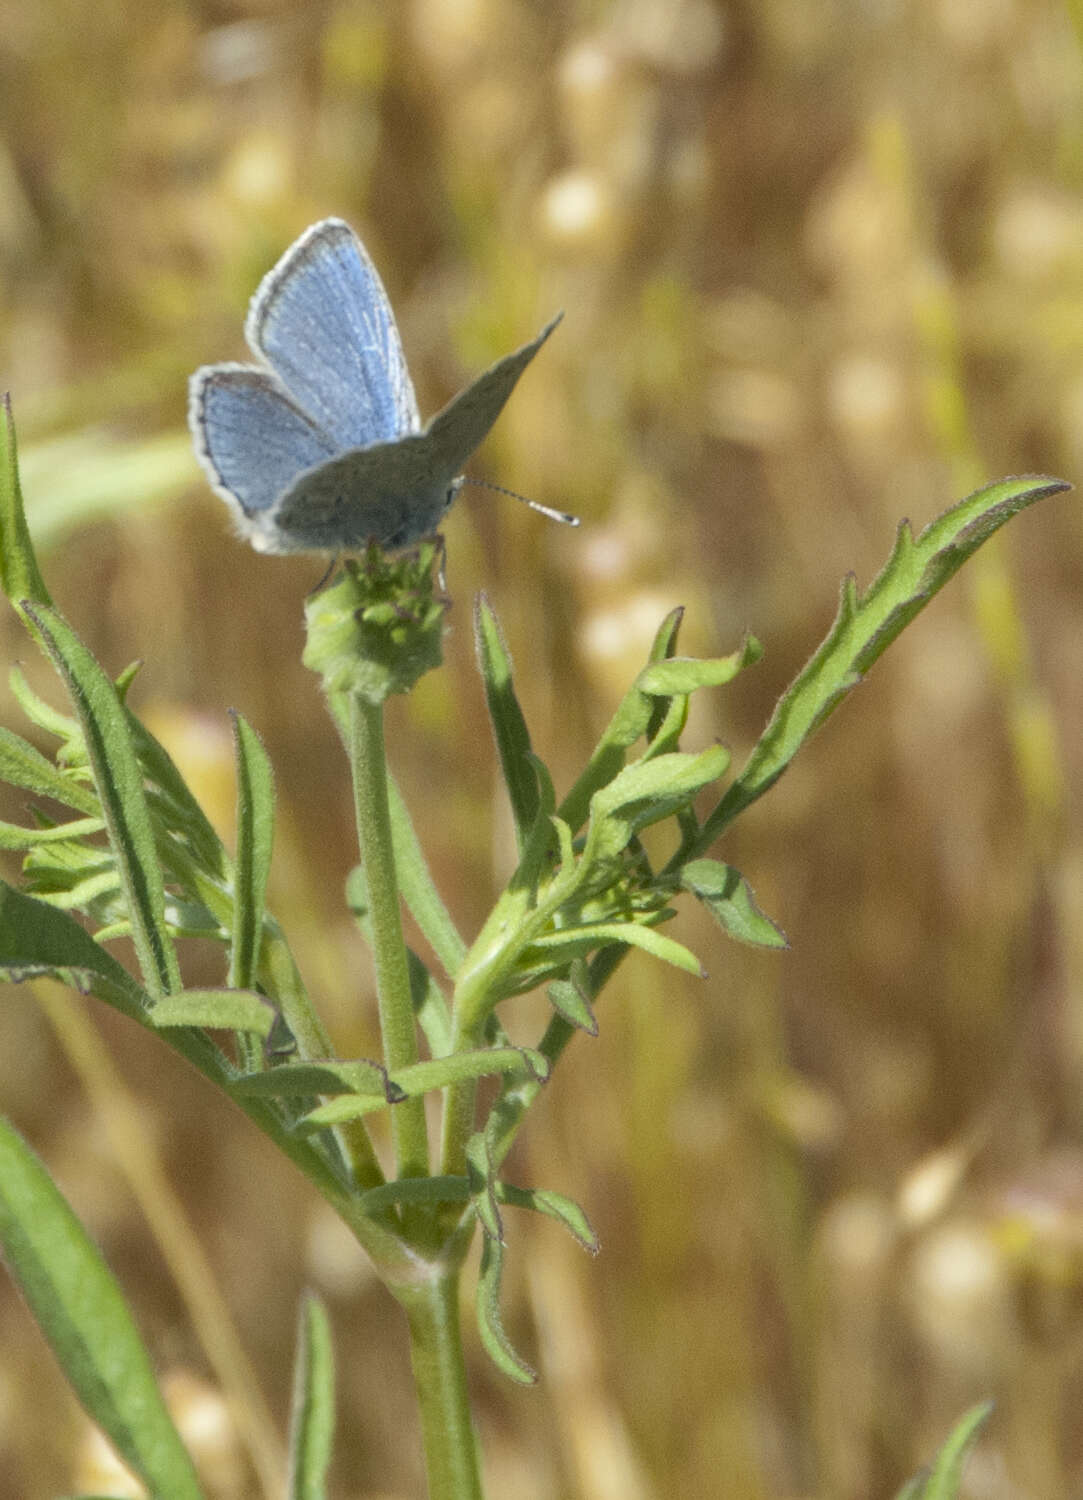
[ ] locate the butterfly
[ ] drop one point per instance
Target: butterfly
(319, 446)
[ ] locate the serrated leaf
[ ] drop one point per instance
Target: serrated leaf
(312, 1419)
(506, 716)
(866, 624)
(20, 577)
(497, 1344)
(82, 1313)
(728, 896)
(221, 1010)
(119, 782)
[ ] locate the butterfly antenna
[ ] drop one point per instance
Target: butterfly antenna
(563, 516)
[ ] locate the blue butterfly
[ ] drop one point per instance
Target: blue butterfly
(319, 447)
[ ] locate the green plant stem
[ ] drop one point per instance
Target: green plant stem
(436, 1354)
(369, 767)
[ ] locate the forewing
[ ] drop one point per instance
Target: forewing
(322, 321)
(251, 439)
(459, 430)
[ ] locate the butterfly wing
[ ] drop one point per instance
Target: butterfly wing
(322, 321)
(461, 427)
(395, 493)
(387, 494)
(251, 439)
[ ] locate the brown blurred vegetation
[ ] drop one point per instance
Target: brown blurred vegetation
(822, 266)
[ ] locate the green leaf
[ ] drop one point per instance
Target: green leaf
(119, 780)
(481, 1174)
(36, 940)
(632, 719)
(39, 712)
(575, 942)
(865, 626)
(407, 1083)
(728, 896)
(252, 867)
(23, 766)
(83, 1315)
(490, 1326)
(298, 1080)
(169, 785)
(312, 1420)
(221, 1010)
(554, 1206)
(943, 1480)
(570, 998)
(430, 1190)
(509, 726)
(684, 674)
(20, 577)
(13, 836)
(418, 890)
(646, 793)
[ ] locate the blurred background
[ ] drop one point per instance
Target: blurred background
(822, 267)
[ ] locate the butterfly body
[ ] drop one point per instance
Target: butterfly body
(319, 447)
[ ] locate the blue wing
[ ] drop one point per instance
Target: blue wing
(251, 439)
(322, 321)
(461, 427)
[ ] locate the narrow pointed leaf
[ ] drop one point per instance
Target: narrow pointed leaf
(216, 1010)
(82, 1313)
(490, 1326)
(119, 781)
(167, 781)
(728, 896)
(576, 942)
(23, 766)
(296, 1080)
(13, 836)
(37, 940)
(866, 624)
(418, 890)
(569, 1000)
(432, 1190)
(482, 1177)
(633, 719)
(20, 577)
(312, 1419)
(555, 1206)
(63, 726)
(684, 674)
(946, 1475)
(509, 726)
(646, 793)
(252, 867)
